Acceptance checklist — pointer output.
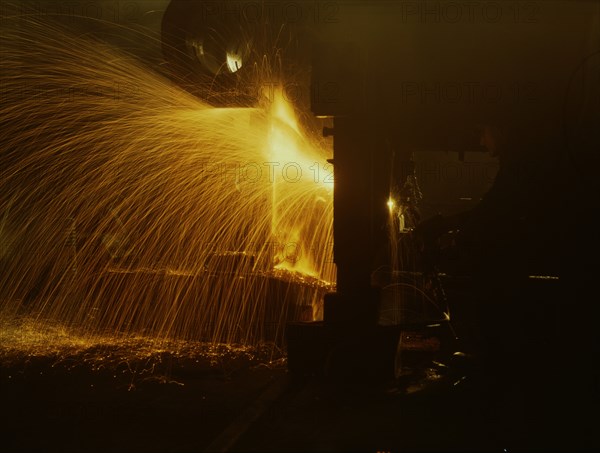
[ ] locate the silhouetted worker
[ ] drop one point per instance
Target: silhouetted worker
(495, 229)
(503, 237)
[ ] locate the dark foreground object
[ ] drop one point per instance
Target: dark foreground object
(49, 408)
(177, 407)
(233, 401)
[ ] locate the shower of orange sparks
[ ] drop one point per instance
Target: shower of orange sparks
(118, 187)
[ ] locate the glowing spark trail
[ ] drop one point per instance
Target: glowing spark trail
(129, 206)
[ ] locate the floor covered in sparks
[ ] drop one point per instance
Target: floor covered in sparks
(136, 395)
(63, 390)
(128, 396)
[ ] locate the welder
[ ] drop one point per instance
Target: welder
(503, 238)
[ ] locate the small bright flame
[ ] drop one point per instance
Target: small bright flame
(234, 61)
(391, 204)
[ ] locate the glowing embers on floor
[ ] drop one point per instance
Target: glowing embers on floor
(31, 349)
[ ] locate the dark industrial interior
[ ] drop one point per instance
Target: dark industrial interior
(464, 139)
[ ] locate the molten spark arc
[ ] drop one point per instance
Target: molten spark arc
(129, 206)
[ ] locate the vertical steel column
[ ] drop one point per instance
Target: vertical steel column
(338, 87)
